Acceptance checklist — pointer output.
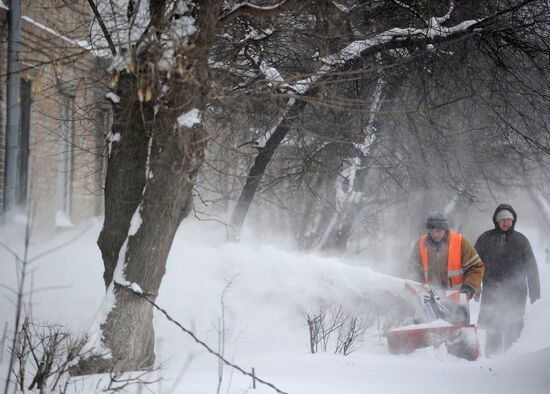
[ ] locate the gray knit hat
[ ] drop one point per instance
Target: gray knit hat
(504, 214)
(437, 220)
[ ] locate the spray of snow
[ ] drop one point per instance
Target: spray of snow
(271, 288)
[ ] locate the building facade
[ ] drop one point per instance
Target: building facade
(63, 115)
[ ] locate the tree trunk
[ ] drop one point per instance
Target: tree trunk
(541, 203)
(257, 170)
(319, 213)
(338, 238)
(128, 330)
(339, 234)
(302, 233)
(125, 171)
(149, 183)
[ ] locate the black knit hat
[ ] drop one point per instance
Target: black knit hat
(437, 220)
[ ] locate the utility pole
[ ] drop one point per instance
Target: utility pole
(13, 105)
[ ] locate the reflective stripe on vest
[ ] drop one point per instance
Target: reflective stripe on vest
(454, 262)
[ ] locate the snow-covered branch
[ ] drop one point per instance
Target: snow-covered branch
(255, 10)
(393, 39)
(386, 40)
(447, 16)
(396, 35)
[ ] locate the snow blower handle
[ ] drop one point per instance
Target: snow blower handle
(431, 305)
(458, 307)
(458, 297)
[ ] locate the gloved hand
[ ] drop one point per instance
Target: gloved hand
(468, 291)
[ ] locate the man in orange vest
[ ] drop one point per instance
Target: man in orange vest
(445, 259)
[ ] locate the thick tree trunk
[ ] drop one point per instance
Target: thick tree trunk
(125, 171)
(128, 330)
(254, 177)
(149, 183)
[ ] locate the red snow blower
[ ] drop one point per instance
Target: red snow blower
(440, 321)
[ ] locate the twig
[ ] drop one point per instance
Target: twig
(48, 288)
(3, 341)
(55, 249)
(19, 303)
(10, 251)
(8, 288)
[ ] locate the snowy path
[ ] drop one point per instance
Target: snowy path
(268, 289)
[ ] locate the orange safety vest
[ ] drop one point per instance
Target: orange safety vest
(454, 264)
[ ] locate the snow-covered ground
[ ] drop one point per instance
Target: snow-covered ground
(265, 290)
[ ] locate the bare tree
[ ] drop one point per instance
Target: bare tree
(161, 85)
(440, 28)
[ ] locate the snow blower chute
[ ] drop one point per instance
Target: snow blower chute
(441, 321)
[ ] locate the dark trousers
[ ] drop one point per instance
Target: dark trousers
(500, 338)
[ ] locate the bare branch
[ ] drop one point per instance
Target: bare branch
(14, 254)
(55, 249)
(103, 27)
(8, 288)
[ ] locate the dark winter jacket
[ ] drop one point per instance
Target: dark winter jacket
(510, 269)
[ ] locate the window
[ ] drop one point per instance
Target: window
(64, 160)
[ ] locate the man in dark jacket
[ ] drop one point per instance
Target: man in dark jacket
(510, 269)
